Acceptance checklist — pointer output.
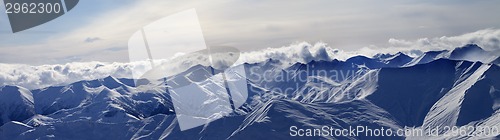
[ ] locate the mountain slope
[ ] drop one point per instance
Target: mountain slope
(16, 104)
(274, 119)
(413, 94)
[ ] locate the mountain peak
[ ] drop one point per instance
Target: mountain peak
(358, 58)
(382, 55)
(400, 53)
(110, 79)
(109, 82)
(9, 87)
(472, 52)
(467, 48)
(428, 57)
(9, 92)
(16, 104)
(398, 59)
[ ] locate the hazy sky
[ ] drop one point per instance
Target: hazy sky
(98, 30)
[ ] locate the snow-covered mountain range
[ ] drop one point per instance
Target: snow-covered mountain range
(459, 87)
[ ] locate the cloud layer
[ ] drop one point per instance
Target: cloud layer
(33, 77)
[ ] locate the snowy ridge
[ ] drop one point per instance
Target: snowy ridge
(448, 106)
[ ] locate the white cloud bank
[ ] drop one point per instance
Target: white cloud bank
(33, 77)
(488, 39)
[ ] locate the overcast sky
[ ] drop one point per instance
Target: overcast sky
(98, 30)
